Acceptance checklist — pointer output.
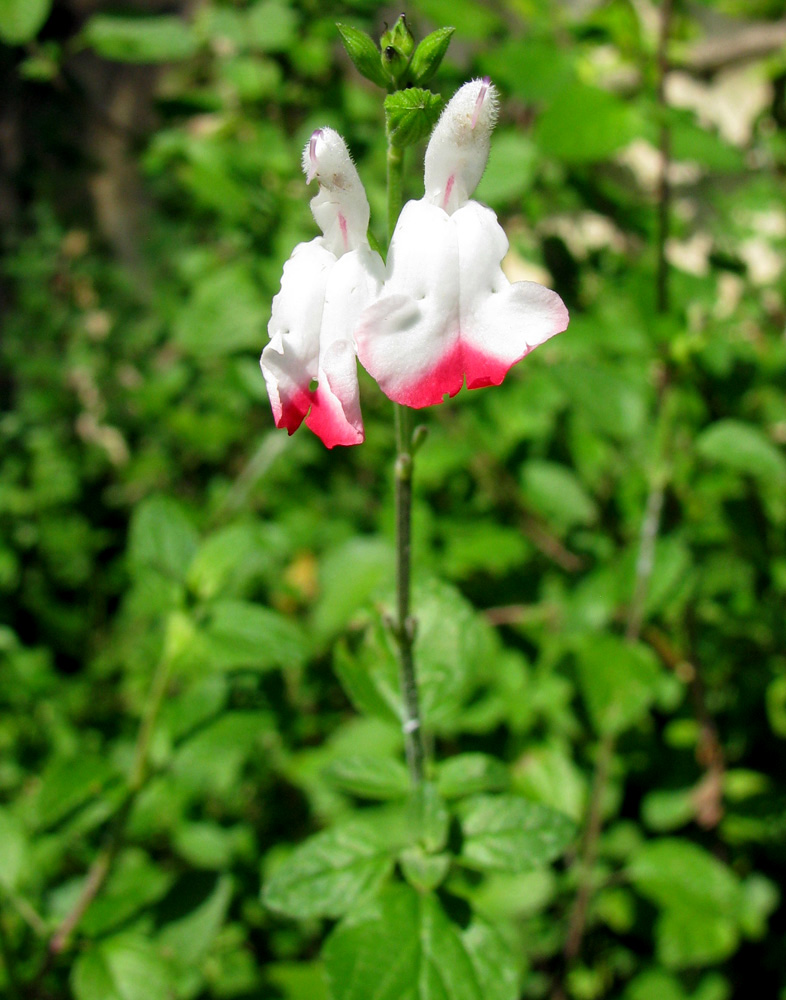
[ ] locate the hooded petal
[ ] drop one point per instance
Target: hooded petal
(340, 208)
(458, 150)
(447, 311)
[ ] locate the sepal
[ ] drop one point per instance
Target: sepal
(428, 56)
(364, 53)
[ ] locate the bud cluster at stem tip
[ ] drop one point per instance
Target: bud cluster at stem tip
(397, 62)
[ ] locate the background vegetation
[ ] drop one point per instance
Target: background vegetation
(599, 542)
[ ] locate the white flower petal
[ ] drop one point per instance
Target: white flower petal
(447, 311)
(340, 208)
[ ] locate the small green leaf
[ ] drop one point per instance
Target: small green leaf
(13, 849)
(700, 899)
(68, 783)
(508, 833)
(335, 870)
(364, 54)
(411, 115)
(125, 967)
(584, 124)
(21, 20)
(369, 777)
(428, 56)
(244, 635)
(619, 681)
(140, 39)
(192, 915)
(161, 538)
(470, 774)
(743, 448)
(422, 870)
(403, 946)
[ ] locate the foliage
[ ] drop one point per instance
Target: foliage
(198, 687)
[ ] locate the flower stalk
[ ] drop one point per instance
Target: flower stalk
(404, 624)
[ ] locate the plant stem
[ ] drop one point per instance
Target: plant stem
(102, 865)
(404, 624)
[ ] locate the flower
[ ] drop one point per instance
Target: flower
(310, 363)
(446, 311)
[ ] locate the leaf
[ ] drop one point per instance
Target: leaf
(125, 967)
(364, 53)
(192, 915)
(556, 492)
(428, 56)
(336, 869)
(13, 849)
(618, 680)
(271, 26)
(244, 635)
(68, 783)
(348, 576)
(234, 556)
(410, 115)
(369, 778)
(743, 448)
(508, 833)
(469, 774)
(226, 313)
(700, 899)
(433, 959)
(162, 538)
(21, 20)
(584, 124)
(140, 39)
(362, 687)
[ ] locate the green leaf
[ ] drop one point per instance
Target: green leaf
(584, 124)
(226, 313)
(134, 883)
(125, 967)
(192, 915)
(618, 680)
(743, 448)
(700, 899)
(403, 946)
(162, 538)
(140, 39)
(428, 56)
(362, 687)
(235, 556)
(469, 774)
(13, 849)
(511, 168)
(348, 576)
(410, 115)
(333, 871)
(244, 635)
(68, 783)
(555, 491)
(369, 777)
(271, 26)
(508, 833)
(424, 871)
(364, 53)
(21, 20)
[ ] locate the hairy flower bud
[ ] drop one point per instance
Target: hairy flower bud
(459, 148)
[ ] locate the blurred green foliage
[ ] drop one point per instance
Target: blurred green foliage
(155, 528)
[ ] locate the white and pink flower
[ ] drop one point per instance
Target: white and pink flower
(439, 313)
(310, 364)
(446, 312)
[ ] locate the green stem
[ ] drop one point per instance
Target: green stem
(404, 624)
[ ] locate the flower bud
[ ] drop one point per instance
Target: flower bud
(397, 45)
(459, 147)
(340, 208)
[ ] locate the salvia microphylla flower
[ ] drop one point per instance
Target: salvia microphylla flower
(446, 311)
(310, 365)
(441, 310)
